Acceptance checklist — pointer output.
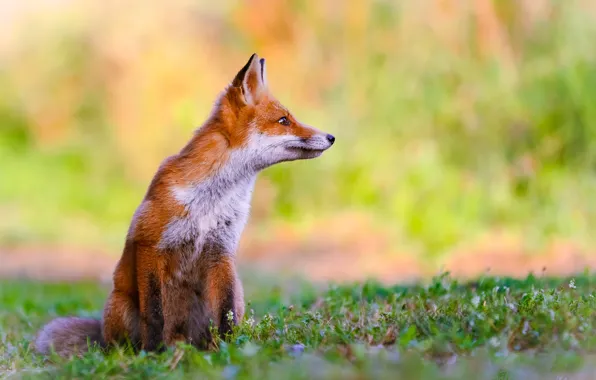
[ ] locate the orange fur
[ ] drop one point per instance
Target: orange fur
(177, 271)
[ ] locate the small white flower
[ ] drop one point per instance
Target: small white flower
(230, 316)
(494, 341)
(267, 319)
(476, 301)
(526, 328)
(572, 284)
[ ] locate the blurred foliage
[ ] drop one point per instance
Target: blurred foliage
(452, 118)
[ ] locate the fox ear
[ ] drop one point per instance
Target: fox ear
(252, 80)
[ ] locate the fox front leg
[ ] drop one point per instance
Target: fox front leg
(177, 297)
(225, 296)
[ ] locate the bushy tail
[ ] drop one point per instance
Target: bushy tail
(69, 336)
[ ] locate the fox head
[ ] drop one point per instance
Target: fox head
(260, 126)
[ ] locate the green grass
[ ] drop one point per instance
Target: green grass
(533, 328)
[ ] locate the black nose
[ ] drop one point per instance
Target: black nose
(331, 138)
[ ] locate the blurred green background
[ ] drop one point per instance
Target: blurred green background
(459, 124)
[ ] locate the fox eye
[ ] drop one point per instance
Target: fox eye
(284, 121)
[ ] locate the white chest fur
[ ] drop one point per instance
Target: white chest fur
(217, 208)
(216, 213)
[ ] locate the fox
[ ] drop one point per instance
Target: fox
(177, 278)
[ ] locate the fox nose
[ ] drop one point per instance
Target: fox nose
(330, 138)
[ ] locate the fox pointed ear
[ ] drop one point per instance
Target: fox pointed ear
(252, 80)
(263, 72)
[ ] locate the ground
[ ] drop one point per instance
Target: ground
(490, 328)
(321, 255)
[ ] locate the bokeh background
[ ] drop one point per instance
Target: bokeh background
(466, 130)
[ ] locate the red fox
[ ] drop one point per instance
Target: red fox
(177, 271)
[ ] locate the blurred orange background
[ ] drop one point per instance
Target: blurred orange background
(466, 131)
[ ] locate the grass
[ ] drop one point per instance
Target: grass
(492, 328)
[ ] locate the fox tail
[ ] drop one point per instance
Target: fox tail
(69, 336)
